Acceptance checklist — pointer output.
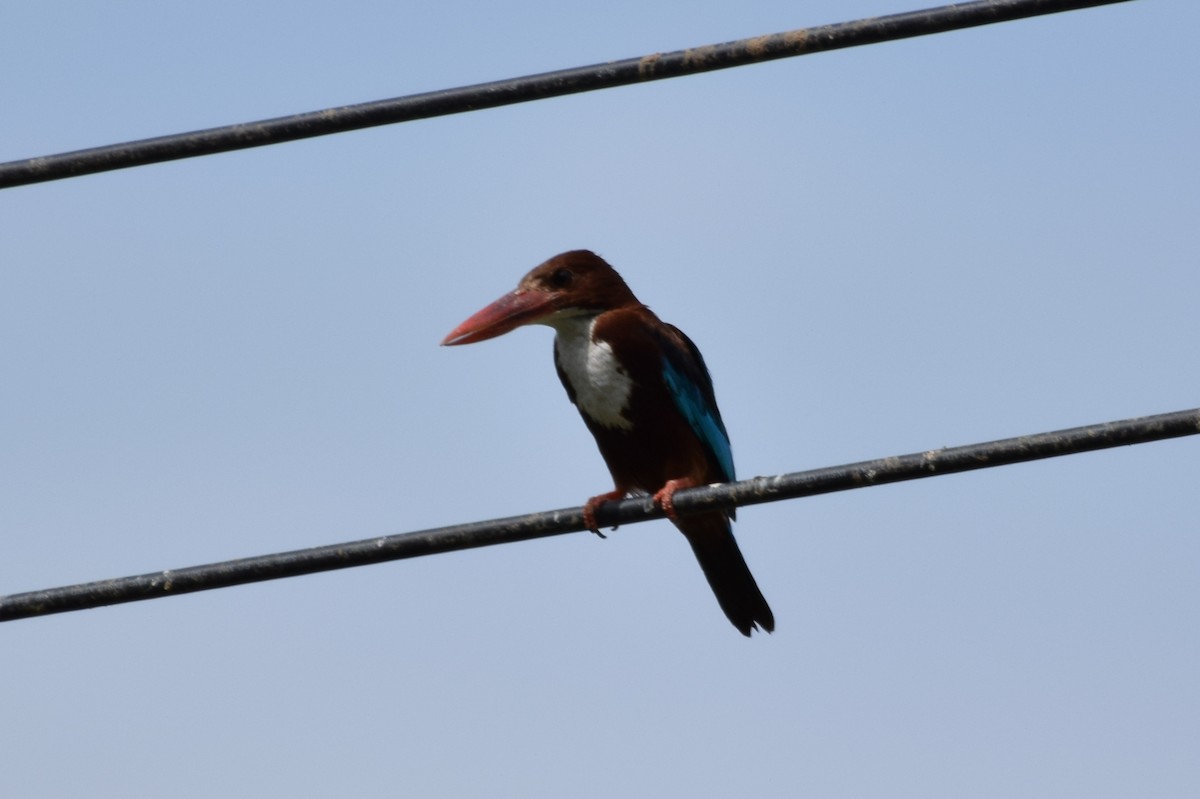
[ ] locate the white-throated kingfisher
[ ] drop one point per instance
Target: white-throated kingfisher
(645, 394)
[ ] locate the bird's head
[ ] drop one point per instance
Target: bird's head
(573, 283)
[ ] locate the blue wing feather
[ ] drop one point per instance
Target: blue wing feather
(699, 408)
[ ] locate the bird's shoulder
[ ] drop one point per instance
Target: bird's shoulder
(639, 339)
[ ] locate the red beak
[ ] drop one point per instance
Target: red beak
(514, 309)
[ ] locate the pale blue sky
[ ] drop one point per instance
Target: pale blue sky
(880, 250)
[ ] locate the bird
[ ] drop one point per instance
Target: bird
(645, 393)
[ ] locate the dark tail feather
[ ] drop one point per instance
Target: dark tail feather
(712, 541)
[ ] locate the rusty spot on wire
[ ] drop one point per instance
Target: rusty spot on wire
(646, 65)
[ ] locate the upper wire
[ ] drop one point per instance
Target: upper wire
(656, 66)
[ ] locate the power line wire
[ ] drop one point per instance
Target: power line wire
(539, 525)
(656, 66)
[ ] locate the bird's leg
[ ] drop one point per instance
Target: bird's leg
(590, 507)
(665, 496)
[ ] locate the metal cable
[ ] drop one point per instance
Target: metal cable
(656, 66)
(539, 525)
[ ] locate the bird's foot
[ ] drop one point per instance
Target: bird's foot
(590, 507)
(665, 496)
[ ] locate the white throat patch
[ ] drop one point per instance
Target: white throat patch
(601, 386)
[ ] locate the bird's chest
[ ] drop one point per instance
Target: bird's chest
(600, 385)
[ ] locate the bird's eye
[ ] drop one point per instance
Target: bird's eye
(561, 278)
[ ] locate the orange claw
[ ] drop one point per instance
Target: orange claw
(665, 496)
(590, 507)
